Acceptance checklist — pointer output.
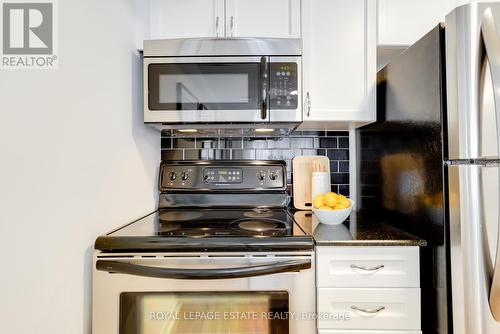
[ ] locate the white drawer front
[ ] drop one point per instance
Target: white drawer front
(368, 267)
(355, 309)
(349, 331)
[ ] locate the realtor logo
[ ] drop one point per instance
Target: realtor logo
(28, 35)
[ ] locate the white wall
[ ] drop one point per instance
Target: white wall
(76, 161)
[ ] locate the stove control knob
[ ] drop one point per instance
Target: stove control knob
(173, 176)
(273, 176)
(185, 176)
(261, 176)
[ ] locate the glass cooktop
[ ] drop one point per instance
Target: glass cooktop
(222, 229)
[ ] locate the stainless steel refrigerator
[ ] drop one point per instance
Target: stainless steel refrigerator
(430, 165)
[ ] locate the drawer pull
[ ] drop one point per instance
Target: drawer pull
(365, 268)
(370, 311)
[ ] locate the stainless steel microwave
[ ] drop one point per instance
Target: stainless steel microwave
(240, 81)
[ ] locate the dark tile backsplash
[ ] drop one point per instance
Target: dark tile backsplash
(333, 144)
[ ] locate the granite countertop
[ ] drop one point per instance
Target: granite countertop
(355, 233)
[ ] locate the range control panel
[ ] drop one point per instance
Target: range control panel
(284, 86)
(223, 175)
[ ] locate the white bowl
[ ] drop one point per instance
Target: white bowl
(333, 217)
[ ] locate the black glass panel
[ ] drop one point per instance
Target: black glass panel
(204, 86)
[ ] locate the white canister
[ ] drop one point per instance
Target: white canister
(320, 184)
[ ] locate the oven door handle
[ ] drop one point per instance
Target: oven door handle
(203, 274)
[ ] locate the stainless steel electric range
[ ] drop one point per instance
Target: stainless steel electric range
(222, 254)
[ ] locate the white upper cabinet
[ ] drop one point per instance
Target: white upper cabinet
(403, 22)
(263, 18)
(225, 18)
(187, 18)
(339, 58)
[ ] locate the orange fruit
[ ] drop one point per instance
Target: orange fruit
(340, 206)
(318, 201)
(344, 200)
(331, 199)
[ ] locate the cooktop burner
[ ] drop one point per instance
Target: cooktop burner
(203, 229)
(200, 223)
(258, 213)
(259, 225)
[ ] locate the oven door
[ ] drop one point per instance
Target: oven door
(206, 89)
(168, 293)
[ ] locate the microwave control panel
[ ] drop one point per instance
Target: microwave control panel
(284, 86)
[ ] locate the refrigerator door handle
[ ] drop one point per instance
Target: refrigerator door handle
(492, 47)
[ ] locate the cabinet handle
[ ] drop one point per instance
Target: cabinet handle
(369, 311)
(217, 26)
(366, 268)
(308, 104)
(231, 25)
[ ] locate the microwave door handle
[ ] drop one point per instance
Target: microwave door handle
(202, 274)
(263, 80)
(491, 41)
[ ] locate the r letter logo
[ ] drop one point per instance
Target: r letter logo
(28, 35)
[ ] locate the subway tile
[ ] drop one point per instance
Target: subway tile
(261, 154)
(243, 154)
(208, 154)
(321, 152)
(278, 142)
(335, 188)
(278, 154)
(222, 154)
(334, 166)
(338, 154)
(184, 143)
(344, 166)
(328, 142)
(166, 143)
(309, 152)
(207, 143)
(255, 143)
(344, 189)
(231, 143)
(172, 154)
(302, 142)
(334, 144)
(344, 142)
(193, 154)
(340, 178)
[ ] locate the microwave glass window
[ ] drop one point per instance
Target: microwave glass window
(224, 86)
(199, 88)
(204, 312)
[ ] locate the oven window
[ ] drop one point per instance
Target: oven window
(227, 86)
(204, 312)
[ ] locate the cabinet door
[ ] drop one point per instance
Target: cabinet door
(403, 22)
(187, 18)
(360, 267)
(263, 18)
(388, 309)
(339, 62)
